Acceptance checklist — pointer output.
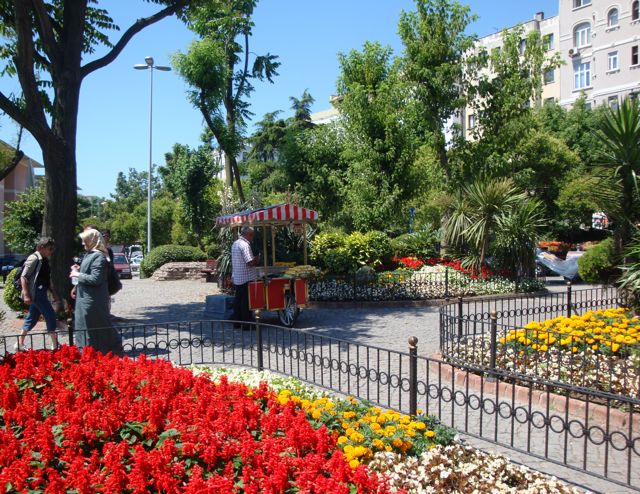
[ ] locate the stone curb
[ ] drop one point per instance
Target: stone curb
(566, 406)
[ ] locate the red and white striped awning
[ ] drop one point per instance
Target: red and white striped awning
(281, 213)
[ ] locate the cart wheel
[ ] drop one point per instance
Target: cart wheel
(289, 314)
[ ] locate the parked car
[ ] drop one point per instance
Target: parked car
(135, 261)
(7, 263)
(122, 266)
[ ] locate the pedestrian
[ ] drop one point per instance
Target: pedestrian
(243, 270)
(92, 322)
(36, 284)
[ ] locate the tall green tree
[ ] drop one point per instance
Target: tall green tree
(188, 174)
(220, 76)
(47, 48)
(437, 63)
(131, 189)
(380, 138)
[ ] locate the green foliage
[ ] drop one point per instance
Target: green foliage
(132, 189)
(188, 174)
(339, 253)
(598, 263)
(169, 253)
(418, 244)
(490, 216)
(23, 220)
(10, 295)
(630, 279)
(218, 88)
(162, 209)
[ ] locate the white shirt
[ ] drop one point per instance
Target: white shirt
(240, 255)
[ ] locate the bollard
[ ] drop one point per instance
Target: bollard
(259, 341)
(460, 317)
(569, 302)
(413, 376)
(70, 330)
(494, 339)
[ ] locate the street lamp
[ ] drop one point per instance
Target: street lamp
(144, 66)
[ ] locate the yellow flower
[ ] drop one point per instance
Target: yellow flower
(354, 463)
(429, 434)
(342, 440)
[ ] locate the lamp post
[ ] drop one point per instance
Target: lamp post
(144, 66)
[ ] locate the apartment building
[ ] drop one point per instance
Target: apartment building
(20, 179)
(599, 41)
(549, 29)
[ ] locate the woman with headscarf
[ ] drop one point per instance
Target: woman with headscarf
(92, 322)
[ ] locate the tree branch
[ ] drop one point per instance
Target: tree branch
(244, 72)
(35, 119)
(14, 162)
(135, 28)
(45, 29)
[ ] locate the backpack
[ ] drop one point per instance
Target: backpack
(16, 278)
(113, 280)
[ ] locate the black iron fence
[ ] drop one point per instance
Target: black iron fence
(508, 334)
(413, 285)
(584, 430)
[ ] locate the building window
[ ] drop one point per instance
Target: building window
(522, 46)
(612, 18)
(472, 121)
(635, 10)
(580, 3)
(582, 73)
(613, 61)
(549, 76)
(582, 35)
(548, 42)
(613, 102)
(634, 55)
(549, 101)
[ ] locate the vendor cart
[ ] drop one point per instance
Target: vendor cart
(272, 290)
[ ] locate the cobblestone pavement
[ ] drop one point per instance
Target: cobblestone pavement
(159, 303)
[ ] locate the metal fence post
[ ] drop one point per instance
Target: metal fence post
(413, 376)
(260, 356)
(459, 317)
(70, 330)
(446, 282)
(494, 339)
(569, 302)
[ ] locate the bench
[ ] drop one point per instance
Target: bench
(210, 271)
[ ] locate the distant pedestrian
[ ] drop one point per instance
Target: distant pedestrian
(92, 322)
(243, 270)
(35, 281)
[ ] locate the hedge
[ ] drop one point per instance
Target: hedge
(169, 253)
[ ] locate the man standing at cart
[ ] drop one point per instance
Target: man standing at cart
(243, 270)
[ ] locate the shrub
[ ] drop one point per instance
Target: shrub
(340, 253)
(169, 253)
(598, 263)
(418, 244)
(10, 295)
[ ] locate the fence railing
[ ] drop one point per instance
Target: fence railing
(492, 334)
(412, 285)
(584, 430)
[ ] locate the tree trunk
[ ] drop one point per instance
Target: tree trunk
(60, 211)
(228, 170)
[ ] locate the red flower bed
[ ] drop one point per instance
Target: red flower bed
(417, 263)
(94, 423)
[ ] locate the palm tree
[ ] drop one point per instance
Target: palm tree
(476, 213)
(302, 107)
(619, 135)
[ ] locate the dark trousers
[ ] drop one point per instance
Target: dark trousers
(241, 310)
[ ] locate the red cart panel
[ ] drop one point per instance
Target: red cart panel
(302, 294)
(256, 295)
(276, 288)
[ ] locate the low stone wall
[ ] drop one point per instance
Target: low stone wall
(180, 271)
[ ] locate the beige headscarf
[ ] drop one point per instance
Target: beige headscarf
(93, 241)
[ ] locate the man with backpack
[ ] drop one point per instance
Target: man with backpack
(35, 283)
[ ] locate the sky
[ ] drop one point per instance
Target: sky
(307, 35)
